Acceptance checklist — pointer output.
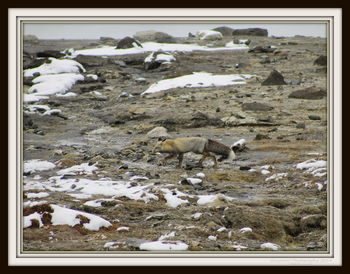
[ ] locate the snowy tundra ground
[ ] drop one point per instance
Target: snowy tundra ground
(90, 182)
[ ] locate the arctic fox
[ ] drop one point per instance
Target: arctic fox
(179, 146)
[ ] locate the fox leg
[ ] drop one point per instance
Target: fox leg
(214, 159)
(180, 157)
(208, 154)
(205, 155)
(167, 158)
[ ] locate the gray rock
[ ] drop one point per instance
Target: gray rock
(275, 78)
(301, 125)
(158, 132)
(314, 117)
(261, 49)
(261, 137)
(316, 221)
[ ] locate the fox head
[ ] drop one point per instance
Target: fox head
(159, 144)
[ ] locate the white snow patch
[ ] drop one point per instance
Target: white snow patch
(212, 237)
(30, 109)
(138, 178)
(84, 168)
(314, 167)
(33, 203)
(277, 176)
(164, 246)
(56, 66)
(206, 199)
(221, 229)
(232, 45)
(173, 200)
(80, 195)
(97, 203)
(319, 186)
(166, 236)
(66, 216)
(112, 245)
(311, 165)
(54, 83)
(37, 195)
(197, 79)
(68, 94)
(264, 172)
(37, 165)
(103, 187)
(27, 220)
(150, 47)
(239, 143)
(161, 58)
(239, 247)
(193, 181)
(30, 98)
(92, 76)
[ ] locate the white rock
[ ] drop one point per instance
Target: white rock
(270, 246)
(200, 175)
(245, 229)
(123, 228)
(197, 215)
(209, 35)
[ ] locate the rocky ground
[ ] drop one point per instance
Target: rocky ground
(260, 201)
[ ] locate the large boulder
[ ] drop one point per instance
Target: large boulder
(128, 42)
(321, 61)
(210, 35)
(155, 59)
(50, 53)
(250, 31)
(158, 132)
(154, 36)
(275, 78)
(225, 31)
(91, 61)
(31, 39)
(311, 93)
(108, 40)
(30, 62)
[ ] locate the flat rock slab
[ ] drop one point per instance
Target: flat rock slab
(311, 93)
(256, 107)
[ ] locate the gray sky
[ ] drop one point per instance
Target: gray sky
(115, 30)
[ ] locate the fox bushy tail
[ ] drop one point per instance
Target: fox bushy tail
(220, 149)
